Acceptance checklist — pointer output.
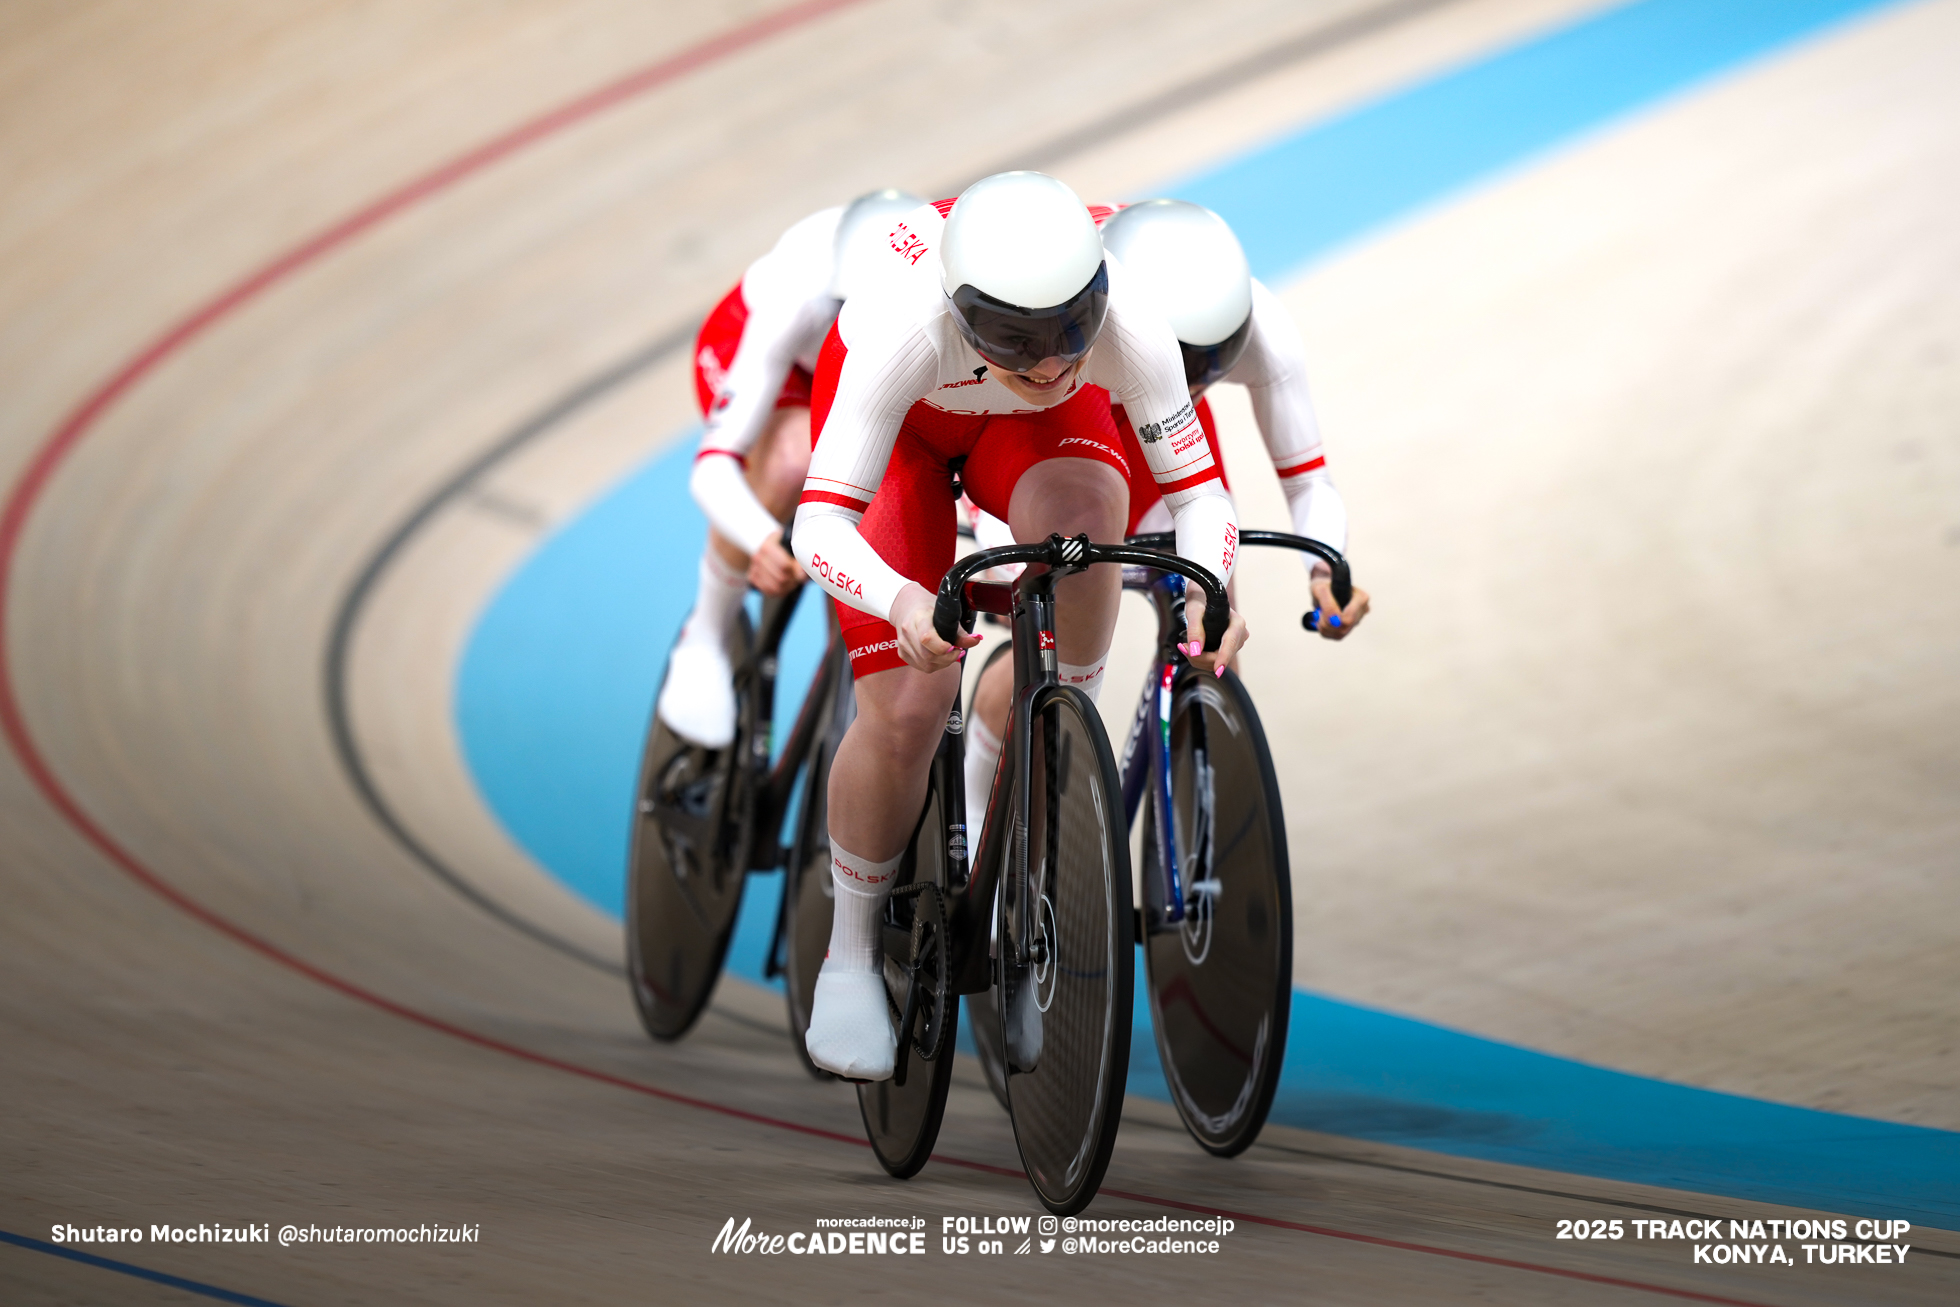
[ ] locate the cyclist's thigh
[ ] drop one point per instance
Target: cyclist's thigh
(911, 525)
(907, 708)
(781, 457)
(1070, 457)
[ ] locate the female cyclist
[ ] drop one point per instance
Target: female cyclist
(993, 342)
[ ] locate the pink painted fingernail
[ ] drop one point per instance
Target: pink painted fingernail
(1218, 670)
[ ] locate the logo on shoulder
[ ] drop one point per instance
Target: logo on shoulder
(908, 244)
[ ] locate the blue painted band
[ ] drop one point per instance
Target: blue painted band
(139, 1272)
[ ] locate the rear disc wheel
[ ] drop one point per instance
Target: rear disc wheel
(1064, 980)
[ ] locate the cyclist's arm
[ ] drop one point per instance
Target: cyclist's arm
(1137, 360)
(881, 378)
(1274, 373)
(771, 339)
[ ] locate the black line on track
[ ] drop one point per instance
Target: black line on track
(347, 616)
(197, 1287)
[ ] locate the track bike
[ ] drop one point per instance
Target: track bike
(1216, 912)
(705, 818)
(1041, 914)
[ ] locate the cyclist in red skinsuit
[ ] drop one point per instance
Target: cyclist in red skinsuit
(1191, 263)
(752, 365)
(941, 363)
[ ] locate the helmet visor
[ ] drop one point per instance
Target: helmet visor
(1204, 364)
(1019, 339)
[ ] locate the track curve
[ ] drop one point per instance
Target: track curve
(163, 695)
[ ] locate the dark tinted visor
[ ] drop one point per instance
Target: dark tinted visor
(1018, 339)
(1204, 364)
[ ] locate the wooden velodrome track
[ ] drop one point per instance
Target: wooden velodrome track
(1649, 757)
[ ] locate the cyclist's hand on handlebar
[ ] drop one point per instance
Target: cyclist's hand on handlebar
(1194, 634)
(918, 644)
(773, 569)
(1335, 621)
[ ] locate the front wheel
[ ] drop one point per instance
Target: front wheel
(902, 1114)
(1221, 981)
(1064, 980)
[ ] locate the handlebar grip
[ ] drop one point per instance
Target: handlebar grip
(1217, 618)
(1343, 583)
(948, 613)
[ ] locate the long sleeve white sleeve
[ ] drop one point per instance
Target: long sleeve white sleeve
(880, 380)
(1274, 373)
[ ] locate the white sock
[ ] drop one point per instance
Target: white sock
(717, 599)
(862, 888)
(982, 759)
(1086, 677)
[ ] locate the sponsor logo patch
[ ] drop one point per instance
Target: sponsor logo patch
(1121, 462)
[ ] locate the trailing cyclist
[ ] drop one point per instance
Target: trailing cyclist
(975, 343)
(1231, 328)
(753, 362)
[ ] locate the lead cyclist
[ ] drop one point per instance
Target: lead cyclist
(752, 364)
(997, 336)
(1229, 328)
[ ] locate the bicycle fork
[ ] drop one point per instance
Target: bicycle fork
(1146, 766)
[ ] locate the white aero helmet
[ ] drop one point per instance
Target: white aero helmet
(1189, 264)
(1023, 267)
(861, 231)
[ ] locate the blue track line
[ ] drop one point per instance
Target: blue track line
(137, 1272)
(556, 684)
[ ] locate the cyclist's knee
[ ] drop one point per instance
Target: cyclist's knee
(906, 710)
(782, 460)
(1070, 496)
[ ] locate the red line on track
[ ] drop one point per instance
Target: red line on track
(53, 451)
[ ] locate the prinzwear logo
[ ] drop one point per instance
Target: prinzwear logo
(1121, 462)
(979, 375)
(873, 648)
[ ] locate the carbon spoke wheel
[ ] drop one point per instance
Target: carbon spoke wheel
(1064, 982)
(1221, 982)
(684, 880)
(902, 1114)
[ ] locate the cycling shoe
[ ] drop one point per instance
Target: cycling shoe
(698, 701)
(851, 1026)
